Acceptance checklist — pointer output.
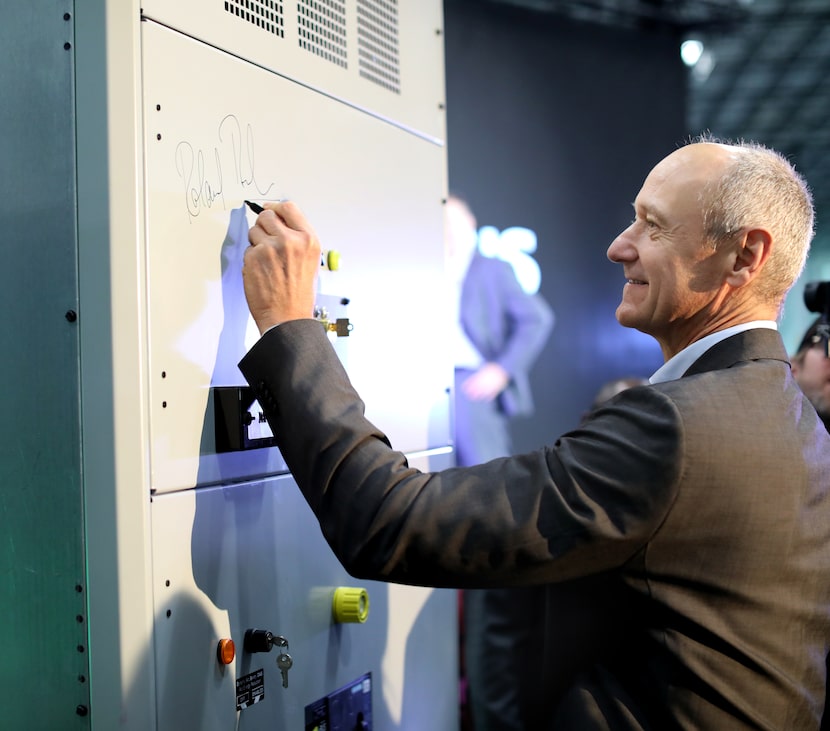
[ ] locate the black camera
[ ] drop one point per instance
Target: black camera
(817, 299)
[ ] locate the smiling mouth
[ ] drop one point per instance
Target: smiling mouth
(635, 281)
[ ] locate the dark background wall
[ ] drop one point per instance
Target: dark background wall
(553, 125)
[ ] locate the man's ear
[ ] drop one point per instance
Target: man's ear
(751, 252)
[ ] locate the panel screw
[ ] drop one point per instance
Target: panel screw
(71, 315)
(81, 710)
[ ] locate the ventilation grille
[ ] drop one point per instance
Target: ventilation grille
(377, 43)
(265, 14)
(322, 29)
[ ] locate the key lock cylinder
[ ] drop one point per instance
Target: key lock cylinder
(261, 640)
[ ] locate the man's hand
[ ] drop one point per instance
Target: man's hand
(281, 266)
(486, 383)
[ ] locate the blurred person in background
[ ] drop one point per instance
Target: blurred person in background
(811, 369)
(499, 331)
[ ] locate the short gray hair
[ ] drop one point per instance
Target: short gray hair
(761, 188)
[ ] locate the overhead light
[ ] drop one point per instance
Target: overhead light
(691, 51)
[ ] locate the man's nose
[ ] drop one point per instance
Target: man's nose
(621, 248)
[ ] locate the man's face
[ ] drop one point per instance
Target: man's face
(674, 280)
(812, 373)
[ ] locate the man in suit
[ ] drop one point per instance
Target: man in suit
(499, 331)
(697, 507)
(811, 368)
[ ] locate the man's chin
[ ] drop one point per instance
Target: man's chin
(629, 319)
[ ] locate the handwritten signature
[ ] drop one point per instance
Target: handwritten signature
(203, 188)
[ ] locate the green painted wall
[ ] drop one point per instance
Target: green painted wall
(43, 673)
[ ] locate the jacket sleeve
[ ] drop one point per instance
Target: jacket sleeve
(586, 504)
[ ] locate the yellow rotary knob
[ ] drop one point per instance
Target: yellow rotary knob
(350, 604)
(331, 260)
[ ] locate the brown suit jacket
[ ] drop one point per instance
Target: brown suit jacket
(694, 513)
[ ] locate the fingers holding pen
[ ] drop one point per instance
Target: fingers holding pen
(290, 214)
(283, 225)
(281, 265)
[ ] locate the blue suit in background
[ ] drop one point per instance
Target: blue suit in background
(506, 326)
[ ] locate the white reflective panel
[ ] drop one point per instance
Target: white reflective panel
(236, 557)
(372, 191)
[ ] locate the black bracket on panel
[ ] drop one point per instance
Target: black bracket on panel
(240, 423)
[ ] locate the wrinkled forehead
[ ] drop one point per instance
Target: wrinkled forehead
(680, 178)
(699, 163)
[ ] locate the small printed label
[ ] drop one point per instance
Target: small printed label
(258, 428)
(250, 689)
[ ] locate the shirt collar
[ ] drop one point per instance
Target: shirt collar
(680, 363)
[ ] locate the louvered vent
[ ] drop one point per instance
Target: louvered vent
(265, 14)
(377, 43)
(322, 29)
